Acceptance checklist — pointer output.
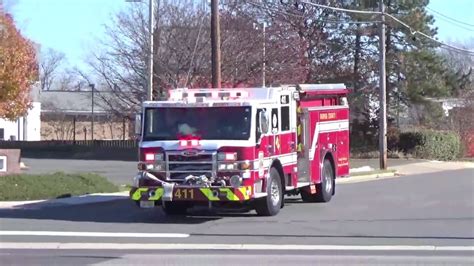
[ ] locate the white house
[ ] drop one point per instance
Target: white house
(26, 128)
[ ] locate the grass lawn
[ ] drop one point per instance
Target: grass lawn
(49, 186)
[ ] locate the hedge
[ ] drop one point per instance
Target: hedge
(431, 144)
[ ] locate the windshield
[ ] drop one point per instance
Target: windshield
(171, 123)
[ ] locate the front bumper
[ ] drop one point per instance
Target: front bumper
(187, 193)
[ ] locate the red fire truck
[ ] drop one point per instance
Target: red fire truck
(242, 148)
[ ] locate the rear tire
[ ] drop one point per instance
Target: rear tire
(175, 208)
(271, 204)
(325, 189)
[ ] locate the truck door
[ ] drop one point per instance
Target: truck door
(303, 131)
(342, 145)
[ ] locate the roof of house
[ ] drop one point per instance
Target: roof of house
(76, 102)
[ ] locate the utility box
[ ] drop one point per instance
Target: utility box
(9, 161)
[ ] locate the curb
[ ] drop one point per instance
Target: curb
(366, 177)
(76, 200)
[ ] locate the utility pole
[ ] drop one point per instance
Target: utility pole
(150, 55)
(92, 110)
(215, 45)
(264, 56)
(382, 93)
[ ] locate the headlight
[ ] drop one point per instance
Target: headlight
(144, 166)
(227, 166)
(227, 156)
(154, 157)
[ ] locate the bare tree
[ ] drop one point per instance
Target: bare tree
(182, 52)
(70, 79)
(49, 62)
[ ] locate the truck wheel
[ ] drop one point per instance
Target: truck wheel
(175, 208)
(325, 189)
(271, 204)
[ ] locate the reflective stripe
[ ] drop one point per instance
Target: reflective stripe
(138, 193)
(230, 194)
(243, 190)
(208, 193)
(158, 193)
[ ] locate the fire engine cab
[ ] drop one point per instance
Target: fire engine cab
(242, 148)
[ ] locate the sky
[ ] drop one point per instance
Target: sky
(74, 26)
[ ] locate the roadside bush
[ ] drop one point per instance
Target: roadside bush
(431, 144)
(393, 138)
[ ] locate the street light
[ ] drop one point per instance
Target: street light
(92, 110)
(149, 94)
(264, 26)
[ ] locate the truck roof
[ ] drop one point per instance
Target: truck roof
(182, 97)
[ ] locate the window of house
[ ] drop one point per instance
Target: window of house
(3, 163)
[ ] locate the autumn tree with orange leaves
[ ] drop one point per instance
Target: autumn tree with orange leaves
(18, 70)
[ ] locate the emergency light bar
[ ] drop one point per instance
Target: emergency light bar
(198, 95)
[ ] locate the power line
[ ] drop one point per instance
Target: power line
(302, 16)
(453, 23)
(342, 9)
(413, 32)
(450, 18)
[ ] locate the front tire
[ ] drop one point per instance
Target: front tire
(325, 189)
(271, 204)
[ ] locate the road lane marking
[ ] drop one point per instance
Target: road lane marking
(194, 246)
(93, 234)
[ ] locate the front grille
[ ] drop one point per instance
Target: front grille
(196, 158)
(180, 164)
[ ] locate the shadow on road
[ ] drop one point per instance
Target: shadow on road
(116, 211)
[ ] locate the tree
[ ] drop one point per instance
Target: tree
(18, 70)
(461, 74)
(182, 54)
(50, 60)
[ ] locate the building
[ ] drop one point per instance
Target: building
(27, 128)
(81, 115)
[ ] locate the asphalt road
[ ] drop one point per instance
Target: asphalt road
(91, 257)
(431, 210)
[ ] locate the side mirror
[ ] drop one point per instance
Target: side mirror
(263, 125)
(138, 124)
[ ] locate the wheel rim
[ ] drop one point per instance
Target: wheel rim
(275, 193)
(328, 180)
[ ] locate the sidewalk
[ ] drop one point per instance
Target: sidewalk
(412, 166)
